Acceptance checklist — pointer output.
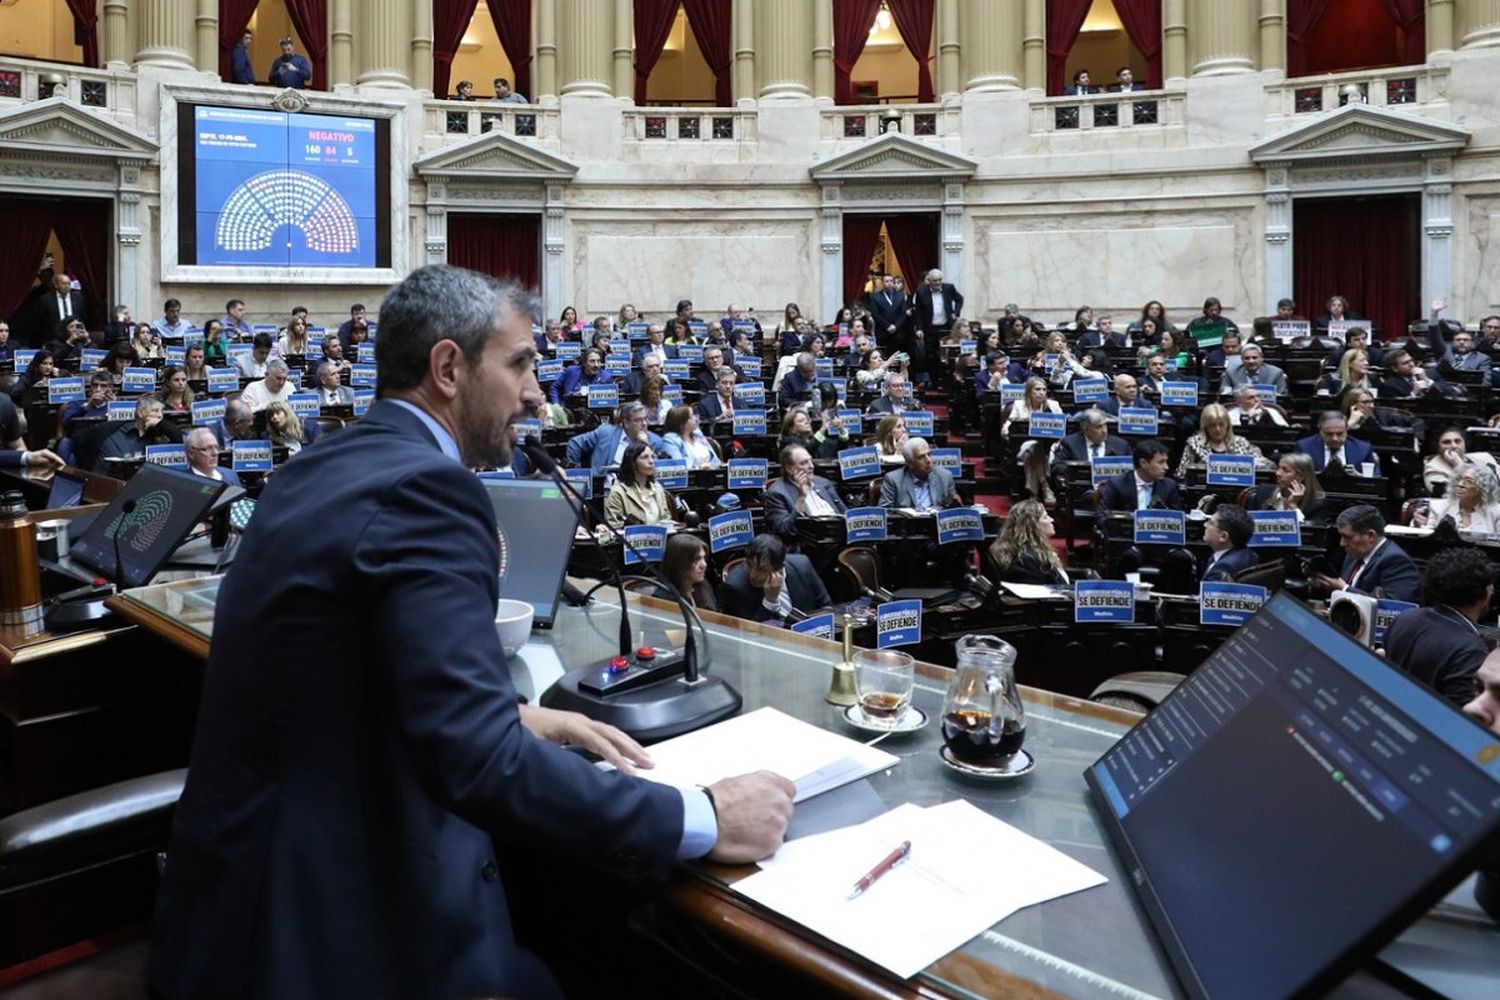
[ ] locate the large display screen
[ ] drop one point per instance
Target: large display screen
(276, 189)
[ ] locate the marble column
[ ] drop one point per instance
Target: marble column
(1273, 35)
(206, 27)
(950, 79)
(1174, 64)
(623, 56)
(991, 57)
(1439, 26)
(1481, 23)
(118, 32)
(1034, 45)
(384, 49)
(341, 44)
(1224, 37)
(822, 51)
(783, 29)
(166, 34)
(744, 54)
(1437, 228)
(585, 30)
(544, 75)
(421, 47)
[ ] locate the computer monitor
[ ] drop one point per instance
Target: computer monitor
(536, 524)
(67, 489)
(1292, 806)
(165, 505)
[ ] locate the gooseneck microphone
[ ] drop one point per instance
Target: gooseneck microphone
(126, 509)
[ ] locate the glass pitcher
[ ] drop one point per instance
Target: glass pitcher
(984, 723)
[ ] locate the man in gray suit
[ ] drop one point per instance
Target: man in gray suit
(919, 484)
(1253, 370)
(332, 392)
(798, 492)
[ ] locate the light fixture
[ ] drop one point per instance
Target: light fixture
(882, 20)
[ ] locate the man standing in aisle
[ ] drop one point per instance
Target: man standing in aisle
(938, 305)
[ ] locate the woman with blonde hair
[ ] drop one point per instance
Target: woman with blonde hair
(1023, 550)
(1296, 488)
(1215, 436)
(283, 427)
(1353, 373)
(1033, 399)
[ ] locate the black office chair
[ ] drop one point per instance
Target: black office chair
(1139, 691)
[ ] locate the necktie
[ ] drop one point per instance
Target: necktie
(1359, 565)
(65, 308)
(1096, 451)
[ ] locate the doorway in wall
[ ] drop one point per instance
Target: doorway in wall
(876, 244)
(1367, 249)
(53, 235)
(506, 246)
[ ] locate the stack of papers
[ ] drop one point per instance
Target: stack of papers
(966, 872)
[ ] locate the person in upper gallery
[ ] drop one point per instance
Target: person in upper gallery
(772, 584)
(1472, 503)
(1092, 440)
(1296, 488)
(576, 378)
(1332, 449)
(1439, 644)
(1103, 334)
(1452, 452)
(240, 69)
(1373, 565)
(636, 497)
(1227, 534)
(889, 436)
(1337, 310)
(1253, 370)
(718, 406)
(799, 491)
(1357, 338)
(1125, 81)
(290, 69)
(1353, 373)
(603, 448)
(1151, 310)
(936, 305)
(505, 95)
(1216, 436)
(464, 91)
(1082, 84)
(918, 484)
(683, 438)
(1147, 486)
(1023, 552)
(888, 309)
(685, 563)
(894, 399)
(1249, 410)
(1462, 356)
(1212, 315)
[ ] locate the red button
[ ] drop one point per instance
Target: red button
(618, 665)
(645, 653)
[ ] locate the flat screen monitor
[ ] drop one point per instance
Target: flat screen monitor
(1292, 806)
(164, 506)
(536, 524)
(67, 489)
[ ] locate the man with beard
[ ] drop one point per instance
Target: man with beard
(346, 779)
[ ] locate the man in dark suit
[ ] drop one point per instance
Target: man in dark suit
(1439, 645)
(1333, 448)
(1404, 378)
(719, 406)
(1093, 440)
(346, 780)
(919, 484)
(58, 303)
(713, 362)
(651, 364)
(1127, 394)
(888, 311)
(1103, 334)
(800, 384)
(1082, 84)
(893, 399)
(799, 492)
(1125, 81)
(772, 584)
(936, 304)
(1373, 565)
(240, 70)
(1148, 487)
(1227, 533)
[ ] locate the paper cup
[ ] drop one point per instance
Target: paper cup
(513, 624)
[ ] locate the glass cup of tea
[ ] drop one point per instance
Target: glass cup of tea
(882, 683)
(984, 722)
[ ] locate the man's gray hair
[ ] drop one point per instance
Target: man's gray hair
(326, 367)
(441, 302)
(1092, 417)
(195, 437)
(1251, 349)
(236, 410)
(278, 366)
(910, 445)
(630, 410)
(1247, 392)
(726, 374)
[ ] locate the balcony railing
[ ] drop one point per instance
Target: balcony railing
(688, 124)
(446, 121)
(1393, 87)
(24, 80)
(866, 121)
(1138, 109)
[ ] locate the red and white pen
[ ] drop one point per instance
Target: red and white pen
(888, 862)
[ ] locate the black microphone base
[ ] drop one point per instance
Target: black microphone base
(650, 713)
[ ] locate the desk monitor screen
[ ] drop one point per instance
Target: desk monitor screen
(166, 506)
(67, 489)
(536, 525)
(1293, 805)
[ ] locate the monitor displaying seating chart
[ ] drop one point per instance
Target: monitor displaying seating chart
(163, 506)
(1293, 805)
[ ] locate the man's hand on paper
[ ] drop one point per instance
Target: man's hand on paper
(754, 810)
(574, 729)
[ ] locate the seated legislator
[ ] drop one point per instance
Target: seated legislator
(1031, 454)
(1215, 436)
(1333, 450)
(331, 391)
(657, 406)
(1363, 416)
(991, 375)
(401, 768)
(801, 383)
(1147, 487)
(1023, 551)
(719, 406)
(1472, 503)
(1227, 534)
(1353, 373)
(656, 346)
(713, 363)
(1404, 378)
(603, 448)
(41, 368)
(1358, 338)
(1253, 370)
(1296, 488)
(893, 400)
(94, 406)
(636, 497)
(1212, 315)
(1155, 312)
(1337, 310)
(1373, 564)
(797, 429)
(919, 485)
(175, 395)
(890, 435)
(875, 368)
(203, 457)
(685, 563)
(1249, 410)
(799, 492)
(547, 341)
(651, 364)
(685, 440)
(1452, 452)
(287, 430)
(772, 584)
(1093, 440)
(274, 388)
(576, 378)
(1103, 334)
(1439, 644)
(130, 441)
(252, 363)
(1462, 356)
(1127, 393)
(1229, 348)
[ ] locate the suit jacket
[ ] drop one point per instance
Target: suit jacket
(883, 404)
(47, 317)
(1235, 376)
(1093, 338)
(632, 383)
(888, 309)
(1118, 493)
(780, 498)
(744, 600)
(240, 70)
(1474, 361)
(596, 449)
(344, 396)
(1079, 90)
(1029, 568)
(897, 489)
(669, 351)
(1356, 452)
(922, 302)
(1230, 565)
(1075, 448)
(1389, 571)
(710, 408)
(346, 778)
(227, 475)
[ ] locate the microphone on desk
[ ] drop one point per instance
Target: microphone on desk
(879, 594)
(126, 509)
(978, 586)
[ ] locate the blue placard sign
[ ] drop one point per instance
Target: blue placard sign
(171, 455)
(1138, 420)
(362, 375)
(1266, 391)
(90, 359)
(1103, 601)
(617, 366)
(750, 422)
(365, 353)
(549, 369)
(1179, 394)
(865, 524)
(966, 347)
(824, 369)
(638, 329)
(1048, 425)
(1160, 527)
(603, 396)
(1276, 529)
(858, 463)
(672, 473)
(898, 623)
(223, 379)
(120, 409)
(567, 350)
(23, 357)
(649, 540)
(175, 355)
(1228, 603)
(950, 459)
(672, 393)
(1011, 391)
(304, 404)
(619, 347)
(139, 380)
(363, 400)
(207, 411)
(1231, 470)
(530, 427)
(1090, 390)
(747, 473)
(961, 524)
(690, 352)
(1385, 613)
(1108, 466)
(730, 530)
(750, 394)
(64, 390)
(675, 368)
(919, 423)
(252, 456)
(750, 366)
(818, 626)
(582, 480)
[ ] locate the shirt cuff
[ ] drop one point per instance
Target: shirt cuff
(700, 825)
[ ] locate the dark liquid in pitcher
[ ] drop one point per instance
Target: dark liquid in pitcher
(968, 738)
(882, 704)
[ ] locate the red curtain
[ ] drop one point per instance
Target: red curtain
(861, 233)
(450, 19)
(1365, 249)
(711, 21)
(28, 221)
(914, 20)
(86, 29)
(512, 20)
(1302, 16)
(502, 246)
(1064, 21)
(1142, 20)
(83, 227)
(914, 241)
(234, 18)
(1411, 17)
(653, 23)
(851, 30)
(310, 19)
